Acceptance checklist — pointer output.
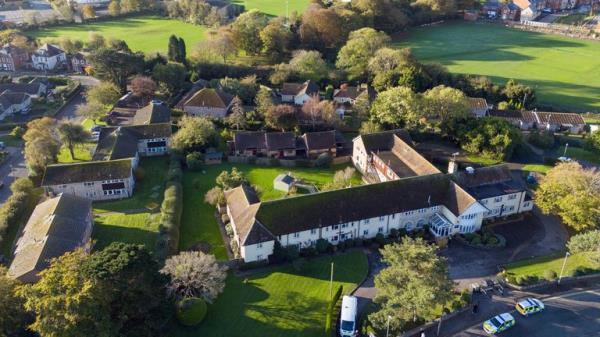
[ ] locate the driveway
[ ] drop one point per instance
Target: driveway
(13, 168)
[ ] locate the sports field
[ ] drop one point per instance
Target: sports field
(143, 33)
(275, 7)
(565, 72)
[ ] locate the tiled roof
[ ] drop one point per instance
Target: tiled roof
(514, 115)
(208, 97)
(243, 204)
(154, 112)
(487, 182)
(477, 103)
(28, 88)
(60, 174)
(383, 141)
(276, 141)
(560, 118)
(48, 50)
(245, 140)
(322, 140)
(295, 89)
(122, 142)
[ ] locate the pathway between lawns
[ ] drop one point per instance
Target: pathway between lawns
(126, 211)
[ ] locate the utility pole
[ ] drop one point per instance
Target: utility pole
(563, 267)
(566, 147)
(387, 331)
(331, 283)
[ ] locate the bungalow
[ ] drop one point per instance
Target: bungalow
(357, 212)
(524, 120)
(298, 93)
(271, 144)
(12, 58)
(155, 112)
(196, 86)
(48, 57)
(96, 180)
(13, 102)
(317, 143)
(346, 96)
(479, 106)
(56, 226)
(133, 141)
(551, 121)
(209, 102)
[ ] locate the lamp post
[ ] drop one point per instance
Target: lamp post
(566, 147)
(563, 267)
(387, 331)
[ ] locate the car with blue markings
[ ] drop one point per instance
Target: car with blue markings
(529, 306)
(499, 323)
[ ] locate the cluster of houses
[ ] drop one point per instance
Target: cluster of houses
(16, 98)
(524, 10)
(405, 191)
(47, 57)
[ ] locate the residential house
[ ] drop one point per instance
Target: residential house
(525, 120)
(226, 10)
(530, 9)
(298, 93)
(479, 106)
(56, 226)
(346, 96)
(79, 62)
(13, 58)
(551, 121)
(208, 102)
(260, 143)
(355, 212)
(96, 180)
(196, 86)
(35, 88)
(155, 112)
(320, 142)
(133, 141)
(510, 11)
(48, 57)
(13, 102)
(365, 146)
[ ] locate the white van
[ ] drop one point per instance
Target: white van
(348, 317)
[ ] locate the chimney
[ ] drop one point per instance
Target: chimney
(452, 166)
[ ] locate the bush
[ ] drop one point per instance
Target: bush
(191, 311)
(349, 243)
(299, 264)
(380, 239)
(234, 247)
(550, 275)
(16, 205)
(18, 132)
(322, 245)
(330, 308)
(194, 161)
(476, 240)
(308, 252)
(171, 210)
(358, 242)
(324, 160)
(511, 279)
(252, 265)
(229, 230)
(175, 173)
(584, 242)
(581, 271)
(225, 218)
(543, 139)
(393, 233)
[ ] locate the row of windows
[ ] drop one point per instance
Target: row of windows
(157, 149)
(114, 192)
(112, 181)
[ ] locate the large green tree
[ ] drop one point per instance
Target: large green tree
(195, 133)
(412, 286)
(397, 107)
(276, 37)
(116, 66)
(42, 144)
(72, 134)
(246, 31)
(14, 318)
(361, 45)
(442, 104)
(170, 76)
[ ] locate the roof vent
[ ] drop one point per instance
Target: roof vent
(470, 170)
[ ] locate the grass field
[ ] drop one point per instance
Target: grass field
(198, 222)
(278, 303)
(149, 34)
(541, 168)
(537, 266)
(82, 152)
(579, 153)
(274, 7)
(564, 72)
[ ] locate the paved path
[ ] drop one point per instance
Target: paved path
(10, 170)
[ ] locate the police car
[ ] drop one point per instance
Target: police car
(499, 323)
(529, 306)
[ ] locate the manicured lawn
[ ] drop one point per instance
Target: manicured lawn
(476, 159)
(148, 34)
(274, 7)
(140, 228)
(198, 222)
(541, 168)
(83, 152)
(565, 72)
(88, 123)
(537, 266)
(579, 153)
(278, 303)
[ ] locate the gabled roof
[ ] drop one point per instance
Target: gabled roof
(477, 103)
(60, 174)
(31, 88)
(48, 50)
(383, 141)
(154, 112)
(11, 98)
(276, 141)
(522, 4)
(122, 142)
(323, 140)
(56, 226)
(245, 140)
(212, 98)
(560, 118)
(347, 91)
(294, 89)
(243, 204)
(405, 161)
(488, 182)
(514, 115)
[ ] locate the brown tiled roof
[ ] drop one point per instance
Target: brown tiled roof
(245, 140)
(405, 161)
(243, 204)
(522, 4)
(477, 103)
(280, 141)
(208, 97)
(322, 140)
(295, 89)
(382, 141)
(560, 118)
(154, 112)
(60, 174)
(514, 115)
(351, 92)
(56, 226)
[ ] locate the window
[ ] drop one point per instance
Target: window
(259, 257)
(344, 225)
(259, 245)
(334, 238)
(335, 227)
(313, 231)
(497, 199)
(380, 230)
(512, 197)
(366, 232)
(88, 183)
(367, 221)
(381, 218)
(296, 235)
(393, 216)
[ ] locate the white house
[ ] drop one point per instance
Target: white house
(298, 93)
(346, 96)
(48, 57)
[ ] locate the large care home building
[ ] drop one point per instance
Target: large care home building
(56, 226)
(208, 102)
(356, 212)
(298, 93)
(48, 57)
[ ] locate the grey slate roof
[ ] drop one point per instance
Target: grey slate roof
(122, 142)
(61, 174)
(32, 88)
(154, 112)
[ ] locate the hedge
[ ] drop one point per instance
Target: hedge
(171, 210)
(331, 308)
(16, 205)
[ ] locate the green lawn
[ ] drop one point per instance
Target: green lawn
(537, 266)
(83, 152)
(136, 219)
(198, 222)
(476, 159)
(565, 72)
(579, 153)
(274, 7)
(88, 123)
(149, 34)
(282, 302)
(541, 168)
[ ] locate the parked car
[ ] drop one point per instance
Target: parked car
(95, 128)
(348, 316)
(529, 306)
(95, 136)
(499, 323)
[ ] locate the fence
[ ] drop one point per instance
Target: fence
(578, 32)
(264, 161)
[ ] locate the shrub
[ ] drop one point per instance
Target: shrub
(331, 308)
(191, 311)
(308, 252)
(543, 140)
(225, 218)
(299, 264)
(234, 248)
(291, 253)
(349, 243)
(194, 161)
(16, 205)
(380, 239)
(252, 265)
(215, 196)
(581, 271)
(492, 241)
(393, 233)
(175, 173)
(584, 242)
(476, 240)
(341, 245)
(549, 275)
(324, 160)
(171, 210)
(18, 132)
(322, 245)
(510, 279)
(229, 230)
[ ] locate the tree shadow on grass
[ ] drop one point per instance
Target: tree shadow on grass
(105, 233)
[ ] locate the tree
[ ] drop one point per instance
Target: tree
(387, 59)
(411, 287)
(116, 66)
(92, 110)
(519, 96)
(237, 118)
(195, 133)
(114, 8)
(96, 41)
(341, 179)
(194, 274)
(396, 107)
(444, 103)
(215, 196)
(176, 51)
(72, 134)
(263, 101)
(218, 44)
(322, 112)
(281, 117)
(585, 242)
(369, 127)
(309, 65)
(88, 12)
(228, 180)
(572, 193)
(492, 138)
(593, 142)
(246, 31)
(321, 29)
(14, 318)
(41, 144)
(143, 86)
(361, 45)
(276, 37)
(171, 76)
(105, 94)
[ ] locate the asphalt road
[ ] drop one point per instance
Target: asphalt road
(569, 315)
(13, 168)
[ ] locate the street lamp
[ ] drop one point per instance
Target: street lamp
(563, 267)
(387, 331)
(566, 147)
